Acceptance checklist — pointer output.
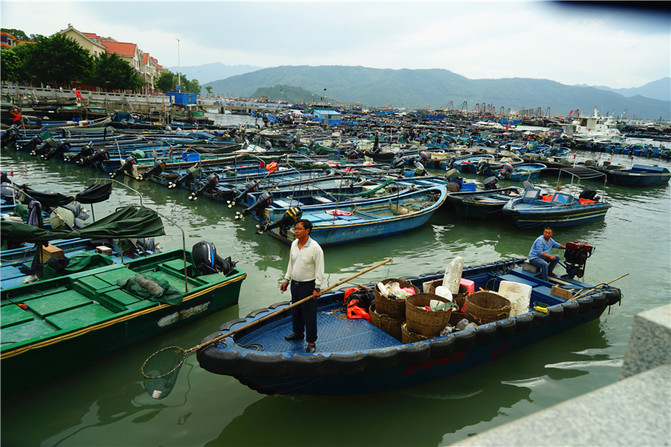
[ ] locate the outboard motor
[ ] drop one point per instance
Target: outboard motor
(576, 255)
(258, 207)
(505, 171)
(419, 168)
(450, 163)
(60, 149)
(481, 166)
(249, 187)
(158, 167)
(86, 151)
(423, 158)
(190, 176)
(490, 182)
(126, 166)
(31, 144)
(208, 185)
(589, 194)
(10, 137)
(397, 162)
(44, 148)
(207, 262)
(94, 159)
(290, 217)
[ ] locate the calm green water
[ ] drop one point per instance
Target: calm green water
(105, 405)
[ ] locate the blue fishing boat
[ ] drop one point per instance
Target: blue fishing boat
(341, 223)
(523, 171)
(560, 209)
(468, 164)
(356, 357)
(485, 205)
(639, 175)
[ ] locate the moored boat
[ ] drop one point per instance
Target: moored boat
(487, 204)
(639, 175)
(356, 357)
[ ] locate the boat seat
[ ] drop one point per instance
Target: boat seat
(529, 267)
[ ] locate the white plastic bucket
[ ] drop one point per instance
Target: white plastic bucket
(518, 294)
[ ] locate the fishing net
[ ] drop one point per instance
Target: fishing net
(160, 371)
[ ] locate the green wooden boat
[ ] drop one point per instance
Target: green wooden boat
(54, 327)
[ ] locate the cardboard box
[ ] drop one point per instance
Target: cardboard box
(103, 250)
(51, 251)
(561, 293)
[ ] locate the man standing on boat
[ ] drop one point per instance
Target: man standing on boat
(540, 256)
(305, 273)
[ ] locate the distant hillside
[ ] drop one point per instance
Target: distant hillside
(211, 72)
(660, 89)
(436, 88)
(289, 94)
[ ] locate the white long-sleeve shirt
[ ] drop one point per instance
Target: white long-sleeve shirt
(307, 263)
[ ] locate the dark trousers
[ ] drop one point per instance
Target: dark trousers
(305, 315)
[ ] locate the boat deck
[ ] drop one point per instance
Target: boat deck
(336, 333)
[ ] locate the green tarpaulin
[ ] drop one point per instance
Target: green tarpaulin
(79, 263)
(129, 222)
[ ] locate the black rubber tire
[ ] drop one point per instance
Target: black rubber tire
(485, 334)
(442, 347)
(254, 313)
(227, 326)
(464, 340)
(346, 364)
(570, 309)
(219, 362)
(524, 322)
(414, 353)
(556, 313)
(307, 365)
(381, 359)
(540, 318)
(586, 303)
(505, 328)
(259, 365)
(281, 303)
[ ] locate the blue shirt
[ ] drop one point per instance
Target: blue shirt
(541, 246)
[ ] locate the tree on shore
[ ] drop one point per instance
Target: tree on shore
(167, 82)
(110, 72)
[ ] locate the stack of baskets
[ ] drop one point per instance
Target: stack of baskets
(389, 314)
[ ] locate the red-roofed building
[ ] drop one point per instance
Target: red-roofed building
(88, 41)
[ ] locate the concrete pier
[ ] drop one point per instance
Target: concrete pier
(634, 411)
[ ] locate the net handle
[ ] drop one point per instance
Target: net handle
(284, 309)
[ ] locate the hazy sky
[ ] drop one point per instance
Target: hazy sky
(570, 44)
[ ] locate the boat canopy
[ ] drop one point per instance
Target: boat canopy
(95, 193)
(130, 221)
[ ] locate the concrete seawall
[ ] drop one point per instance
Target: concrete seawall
(634, 411)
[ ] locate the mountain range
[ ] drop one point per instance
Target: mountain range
(212, 72)
(436, 88)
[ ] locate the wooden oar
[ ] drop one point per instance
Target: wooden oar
(580, 295)
(171, 358)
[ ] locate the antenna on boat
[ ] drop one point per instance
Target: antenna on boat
(161, 369)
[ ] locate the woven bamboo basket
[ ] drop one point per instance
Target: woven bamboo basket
(407, 336)
(393, 308)
(391, 325)
(428, 323)
(459, 299)
(487, 306)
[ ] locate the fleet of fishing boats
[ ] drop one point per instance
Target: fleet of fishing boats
(366, 184)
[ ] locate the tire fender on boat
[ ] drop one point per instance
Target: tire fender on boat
(464, 340)
(259, 365)
(505, 328)
(220, 361)
(524, 322)
(442, 347)
(556, 313)
(613, 295)
(570, 308)
(540, 318)
(381, 359)
(229, 324)
(346, 364)
(485, 334)
(414, 353)
(256, 312)
(281, 303)
(600, 300)
(307, 365)
(586, 303)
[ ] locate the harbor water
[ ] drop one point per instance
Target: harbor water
(106, 405)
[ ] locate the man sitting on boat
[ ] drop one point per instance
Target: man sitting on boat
(540, 256)
(305, 272)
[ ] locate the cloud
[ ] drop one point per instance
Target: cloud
(474, 39)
